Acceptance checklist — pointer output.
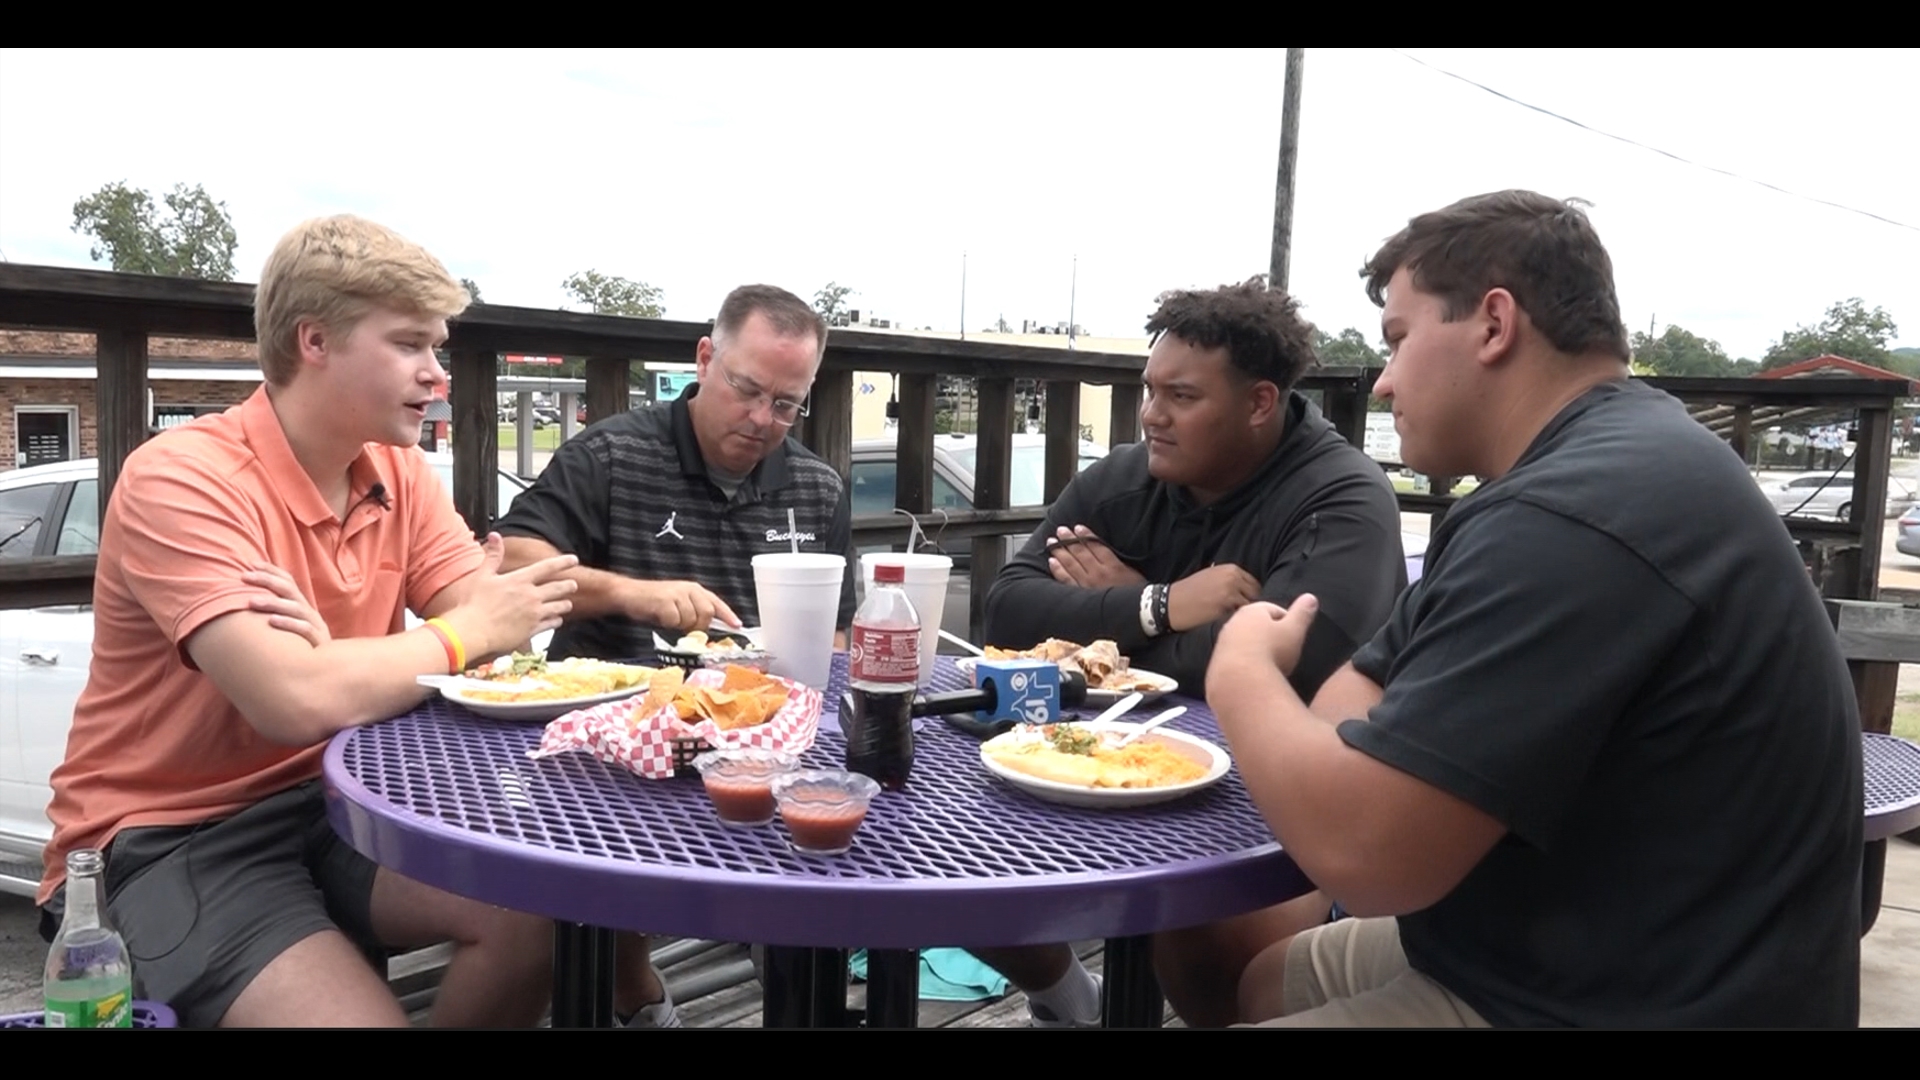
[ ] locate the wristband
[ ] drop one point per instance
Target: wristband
(456, 652)
(1148, 625)
(1161, 605)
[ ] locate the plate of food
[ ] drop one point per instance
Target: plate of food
(1075, 765)
(527, 688)
(1109, 676)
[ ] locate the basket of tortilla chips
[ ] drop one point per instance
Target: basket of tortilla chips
(684, 714)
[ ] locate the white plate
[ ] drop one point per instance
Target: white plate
(459, 690)
(1053, 791)
(1100, 699)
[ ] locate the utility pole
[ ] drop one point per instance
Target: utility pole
(1283, 189)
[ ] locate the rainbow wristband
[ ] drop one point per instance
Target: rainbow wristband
(456, 652)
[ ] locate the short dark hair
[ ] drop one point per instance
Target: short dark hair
(1542, 250)
(790, 315)
(1260, 328)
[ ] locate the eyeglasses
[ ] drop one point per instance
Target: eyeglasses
(784, 411)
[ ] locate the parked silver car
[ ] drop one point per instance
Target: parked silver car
(1907, 541)
(1829, 495)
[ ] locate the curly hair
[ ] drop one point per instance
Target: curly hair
(1542, 250)
(1260, 328)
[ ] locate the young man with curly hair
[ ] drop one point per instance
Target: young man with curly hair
(1240, 492)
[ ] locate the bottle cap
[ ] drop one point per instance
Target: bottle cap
(889, 572)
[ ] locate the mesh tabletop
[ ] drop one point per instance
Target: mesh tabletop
(959, 858)
(1892, 773)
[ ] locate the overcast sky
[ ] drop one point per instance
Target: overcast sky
(697, 171)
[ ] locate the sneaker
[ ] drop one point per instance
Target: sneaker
(661, 1014)
(1040, 1016)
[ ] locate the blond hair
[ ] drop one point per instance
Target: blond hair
(335, 270)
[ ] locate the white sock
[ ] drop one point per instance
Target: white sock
(1075, 997)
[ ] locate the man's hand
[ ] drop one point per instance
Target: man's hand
(502, 611)
(286, 609)
(1263, 635)
(1077, 557)
(682, 605)
(1210, 594)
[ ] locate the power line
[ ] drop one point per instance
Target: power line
(1657, 150)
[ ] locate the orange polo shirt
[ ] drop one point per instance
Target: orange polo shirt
(154, 741)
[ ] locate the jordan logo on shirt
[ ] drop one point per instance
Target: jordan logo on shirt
(668, 529)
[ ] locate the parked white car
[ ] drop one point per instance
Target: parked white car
(45, 652)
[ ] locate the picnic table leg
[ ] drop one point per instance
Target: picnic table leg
(829, 988)
(582, 976)
(1873, 873)
(893, 988)
(804, 988)
(1131, 994)
(787, 988)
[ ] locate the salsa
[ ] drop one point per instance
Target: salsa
(823, 823)
(741, 800)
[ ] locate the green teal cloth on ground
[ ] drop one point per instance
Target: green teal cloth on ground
(946, 975)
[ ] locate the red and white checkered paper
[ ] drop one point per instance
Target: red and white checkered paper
(644, 744)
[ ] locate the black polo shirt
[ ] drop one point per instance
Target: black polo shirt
(631, 495)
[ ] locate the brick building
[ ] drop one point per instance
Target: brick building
(47, 404)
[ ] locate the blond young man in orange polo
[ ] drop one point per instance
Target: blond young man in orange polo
(255, 572)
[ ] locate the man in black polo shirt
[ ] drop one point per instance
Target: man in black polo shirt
(1602, 766)
(667, 506)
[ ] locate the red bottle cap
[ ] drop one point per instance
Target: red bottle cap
(889, 572)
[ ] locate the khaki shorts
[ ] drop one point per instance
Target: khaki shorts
(1353, 973)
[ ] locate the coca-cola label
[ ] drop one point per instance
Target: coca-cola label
(884, 654)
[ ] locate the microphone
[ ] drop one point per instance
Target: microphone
(378, 493)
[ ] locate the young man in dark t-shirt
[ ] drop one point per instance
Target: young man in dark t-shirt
(1602, 767)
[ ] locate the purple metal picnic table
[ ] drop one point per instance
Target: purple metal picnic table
(958, 859)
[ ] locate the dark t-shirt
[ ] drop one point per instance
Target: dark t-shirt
(1318, 516)
(1616, 651)
(632, 495)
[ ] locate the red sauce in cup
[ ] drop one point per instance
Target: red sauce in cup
(825, 826)
(741, 800)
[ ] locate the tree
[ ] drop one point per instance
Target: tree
(604, 294)
(1350, 349)
(194, 239)
(473, 290)
(1680, 352)
(1848, 330)
(831, 300)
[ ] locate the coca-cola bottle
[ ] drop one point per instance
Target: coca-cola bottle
(883, 664)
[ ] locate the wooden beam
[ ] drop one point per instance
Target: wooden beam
(1872, 464)
(61, 579)
(606, 387)
(476, 437)
(1123, 416)
(992, 476)
(829, 430)
(1345, 407)
(1741, 437)
(1063, 436)
(120, 401)
(913, 444)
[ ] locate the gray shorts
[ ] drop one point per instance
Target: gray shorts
(205, 908)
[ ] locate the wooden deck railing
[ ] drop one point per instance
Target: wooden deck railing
(123, 310)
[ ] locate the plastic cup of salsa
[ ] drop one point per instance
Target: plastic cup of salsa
(740, 783)
(823, 808)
